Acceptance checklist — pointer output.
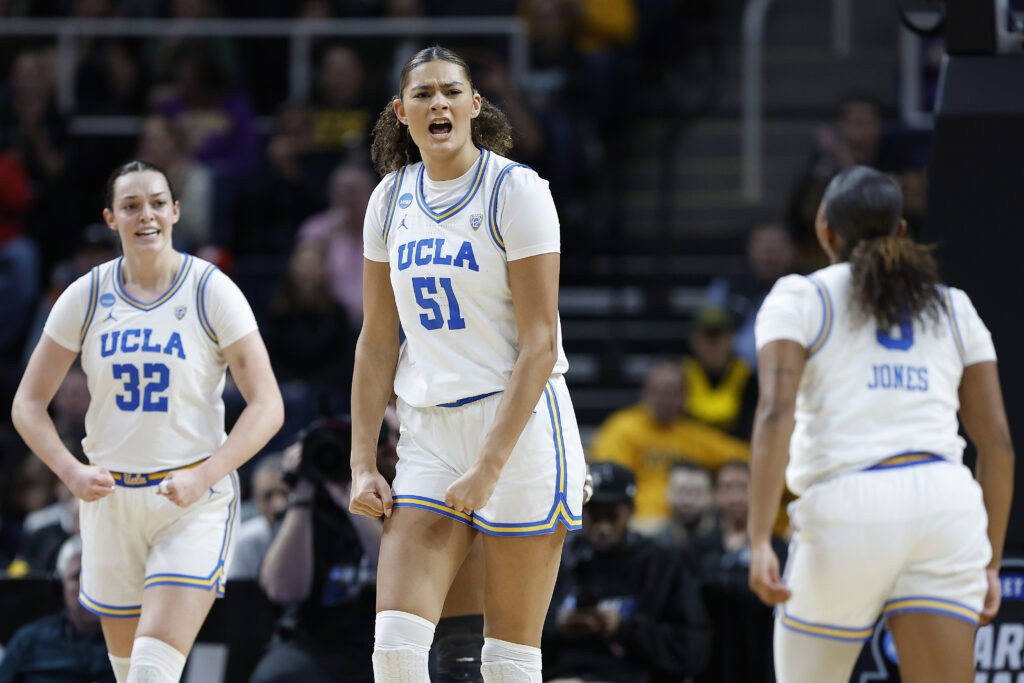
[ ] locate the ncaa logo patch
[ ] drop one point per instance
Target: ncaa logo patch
(404, 201)
(107, 300)
(476, 220)
(179, 312)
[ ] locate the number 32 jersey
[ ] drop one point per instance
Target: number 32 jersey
(448, 244)
(155, 370)
(868, 394)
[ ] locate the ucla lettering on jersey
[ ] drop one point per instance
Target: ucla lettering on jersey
(446, 245)
(868, 394)
(155, 369)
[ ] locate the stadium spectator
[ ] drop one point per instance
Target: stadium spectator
(689, 496)
(322, 565)
(67, 646)
(342, 113)
(339, 232)
(270, 494)
(770, 255)
(721, 387)
(108, 77)
(652, 436)
(219, 121)
(624, 609)
(19, 263)
(163, 143)
(43, 533)
(281, 192)
(741, 647)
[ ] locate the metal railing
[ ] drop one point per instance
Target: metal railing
(299, 32)
(752, 85)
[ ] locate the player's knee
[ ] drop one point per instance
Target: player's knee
(505, 662)
(401, 644)
(154, 661)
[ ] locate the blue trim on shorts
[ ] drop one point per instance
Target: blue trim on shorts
(467, 400)
(828, 631)
(127, 612)
(559, 512)
(905, 459)
(922, 603)
(216, 577)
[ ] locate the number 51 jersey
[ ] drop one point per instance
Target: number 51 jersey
(448, 244)
(155, 370)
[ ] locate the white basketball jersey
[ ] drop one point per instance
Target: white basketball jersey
(448, 244)
(868, 394)
(155, 370)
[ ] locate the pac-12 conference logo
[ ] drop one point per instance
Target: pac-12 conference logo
(405, 201)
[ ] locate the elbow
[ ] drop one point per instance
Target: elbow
(541, 351)
(772, 413)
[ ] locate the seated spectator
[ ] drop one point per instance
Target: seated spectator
(270, 494)
(20, 266)
(343, 113)
(770, 255)
(163, 143)
(721, 387)
(281, 192)
(67, 646)
(741, 650)
(654, 435)
(624, 609)
(689, 496)
(43, 534)
(322, 564)
(339, 230)
(218, 120)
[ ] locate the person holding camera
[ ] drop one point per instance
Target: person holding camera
(322, 565)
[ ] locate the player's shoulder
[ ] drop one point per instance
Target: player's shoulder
(511, 178)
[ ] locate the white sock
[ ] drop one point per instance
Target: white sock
(120, 666)
(401, 645)
(505, 662)
(154, 661)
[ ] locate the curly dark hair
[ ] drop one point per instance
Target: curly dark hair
(893, 277)
(394, 148)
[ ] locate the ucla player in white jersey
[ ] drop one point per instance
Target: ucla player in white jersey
(462, 256)
(863, 368)
(156, 330)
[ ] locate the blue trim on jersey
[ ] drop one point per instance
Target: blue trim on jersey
(467, 400)
(485, 155)
(217, 575)
(492, 211)
(94, 291)
(907, 459)
(559, 512)
(954, 326)
(186, 266)
(826, 321)
(201, 303)
(829, 631)
(118, 612)
(392, 203)
(920, 603)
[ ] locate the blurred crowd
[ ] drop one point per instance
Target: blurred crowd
(274, 191)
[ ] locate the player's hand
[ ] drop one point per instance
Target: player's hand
(183, 487)
(764, 575)
(473, 489)
(993, 597)
(90, 482)
(370, 494)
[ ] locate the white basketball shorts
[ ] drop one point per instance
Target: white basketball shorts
(134, 539)
(540, 486)
(886, 541)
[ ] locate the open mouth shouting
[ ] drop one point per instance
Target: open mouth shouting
(147, 233)
(440, 129)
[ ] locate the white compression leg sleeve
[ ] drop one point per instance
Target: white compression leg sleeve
(401, 645)
(154, 661)
(120, 666)
(800, 658)
(505, 662)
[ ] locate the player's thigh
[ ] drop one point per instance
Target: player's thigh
(933, 648)
(119, 634)
(520, 577)
(466, 595)
(174, 614)
(420, 554)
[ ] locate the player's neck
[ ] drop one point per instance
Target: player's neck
(453, 166)
(150, 274)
